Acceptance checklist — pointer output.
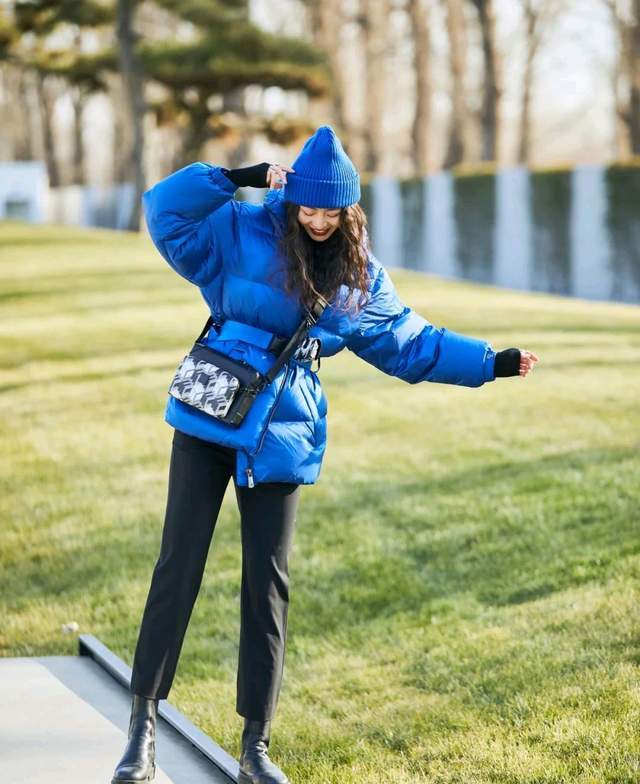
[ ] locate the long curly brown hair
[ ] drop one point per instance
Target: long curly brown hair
(321, 268)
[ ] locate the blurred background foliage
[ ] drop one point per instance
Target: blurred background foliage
(112, 91)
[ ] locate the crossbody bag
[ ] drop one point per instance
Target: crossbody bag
(225, 387)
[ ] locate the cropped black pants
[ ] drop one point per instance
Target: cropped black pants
(199, 473)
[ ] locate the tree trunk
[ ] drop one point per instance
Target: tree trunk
(18, 113)
(374, 20)
(197, 132)
(492, 87)
(621, 146)
(457, 62)
(121, 131)
(45, 104)
(421, 129)
(77, 164)
(77, 100)
(524, 143)
(633, 58)
(634, 124)
(133, 81)
(326, 22)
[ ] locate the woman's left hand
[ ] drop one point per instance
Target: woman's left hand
(527, 361)
(514, 362)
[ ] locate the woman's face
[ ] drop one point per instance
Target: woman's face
(319, 223)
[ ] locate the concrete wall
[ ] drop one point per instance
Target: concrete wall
(24, 191)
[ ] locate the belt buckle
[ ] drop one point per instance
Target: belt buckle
(308, 350)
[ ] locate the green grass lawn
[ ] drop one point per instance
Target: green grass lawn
(464, 575)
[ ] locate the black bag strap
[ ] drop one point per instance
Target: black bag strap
(311, 317)
(298, 336)
(205, 329)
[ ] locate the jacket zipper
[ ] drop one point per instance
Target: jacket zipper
(251, 455)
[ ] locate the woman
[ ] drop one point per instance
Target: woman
(259, 268)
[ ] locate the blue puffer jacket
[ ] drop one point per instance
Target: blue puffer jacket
(227, 248)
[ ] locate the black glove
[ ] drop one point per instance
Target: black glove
(252, 176)
(507, 362)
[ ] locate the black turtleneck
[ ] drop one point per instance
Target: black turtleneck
(320, 253)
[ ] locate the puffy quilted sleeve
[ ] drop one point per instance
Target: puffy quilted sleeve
(191, 216)
(400, 342)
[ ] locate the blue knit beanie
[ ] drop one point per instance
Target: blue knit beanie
(324, 175)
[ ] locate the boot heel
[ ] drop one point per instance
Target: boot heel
(149, 779)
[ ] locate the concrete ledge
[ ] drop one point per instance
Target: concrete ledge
(65, 721)
(88, 645)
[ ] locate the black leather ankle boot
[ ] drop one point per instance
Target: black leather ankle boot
(255, 765)
(137, 764)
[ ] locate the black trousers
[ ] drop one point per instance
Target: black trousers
(199, 473)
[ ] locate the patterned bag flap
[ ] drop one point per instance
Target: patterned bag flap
(205, 386)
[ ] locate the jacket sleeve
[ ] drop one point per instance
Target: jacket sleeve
(400, 342)
(191, 216)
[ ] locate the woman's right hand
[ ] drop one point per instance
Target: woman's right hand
(277, 175)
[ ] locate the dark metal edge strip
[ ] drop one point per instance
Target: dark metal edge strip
(88, 645)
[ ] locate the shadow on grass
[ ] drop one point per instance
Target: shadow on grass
(571, 538)
(90, 351)
(387, 560)
(84, 377)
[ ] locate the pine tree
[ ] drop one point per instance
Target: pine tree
(203, 75)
